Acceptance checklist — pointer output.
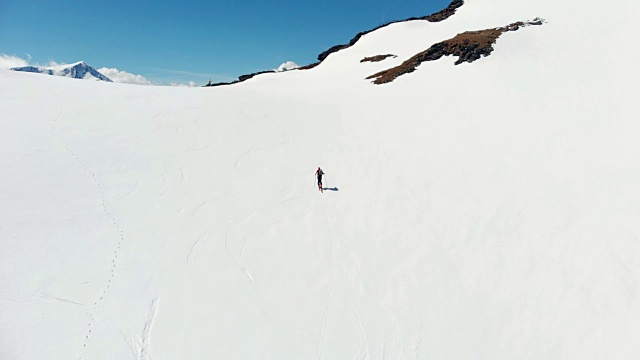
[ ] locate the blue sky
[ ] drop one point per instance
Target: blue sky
(182, 41)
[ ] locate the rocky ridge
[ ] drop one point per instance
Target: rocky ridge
(468, 47)
(435, 17)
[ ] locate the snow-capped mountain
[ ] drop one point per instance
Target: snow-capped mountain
(484, 210)
(79, 70)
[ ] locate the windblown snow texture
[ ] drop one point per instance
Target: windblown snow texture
(485, 211)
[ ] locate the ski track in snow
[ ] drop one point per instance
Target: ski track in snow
(116, 252)
(255, 109)
(140, 347)
(22, 298)
(396, 330)
(243, 239)
(334, 248)
(355, 315)
(236, 244)
(260, 113)
(418, 341)
(203, 237)
(146, 331)
(131, 190)
(627, 276)
(290, 197)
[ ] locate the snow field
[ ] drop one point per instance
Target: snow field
(486, 210)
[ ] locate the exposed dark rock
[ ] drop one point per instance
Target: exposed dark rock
(439, 16)
(436, 17)
(468, 47)
(444, 13)
(249, 76)
(241, 78)
(310, 66)
(377, 58)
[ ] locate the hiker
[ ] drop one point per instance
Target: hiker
(319, 174)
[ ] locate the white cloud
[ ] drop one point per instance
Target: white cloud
(11, 61)
(289, 65)
(124, 77)
(118, 76)
(191, 84)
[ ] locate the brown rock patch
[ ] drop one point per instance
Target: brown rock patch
(468, 47)
(377, 58)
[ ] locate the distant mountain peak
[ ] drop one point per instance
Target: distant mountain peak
(77, 70)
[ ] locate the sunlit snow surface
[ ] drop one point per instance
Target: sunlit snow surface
(481, 211)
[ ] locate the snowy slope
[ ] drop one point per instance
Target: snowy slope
(482, 211)
(79, 70)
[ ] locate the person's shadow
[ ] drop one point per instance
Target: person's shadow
(331, 189)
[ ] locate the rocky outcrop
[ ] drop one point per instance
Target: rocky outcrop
(444, 13)
(310, 66)
(241, 78)
(436, 17)
(468, 47)
(377, 58)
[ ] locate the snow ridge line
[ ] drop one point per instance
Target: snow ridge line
(116, 252)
